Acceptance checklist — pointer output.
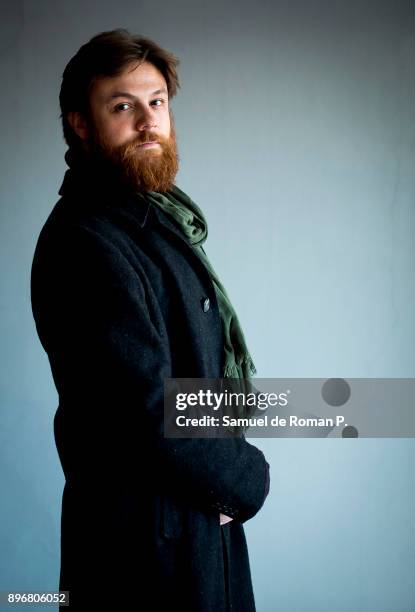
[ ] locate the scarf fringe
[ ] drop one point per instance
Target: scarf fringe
(232, 370)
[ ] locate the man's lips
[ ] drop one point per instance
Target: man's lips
(150, 143)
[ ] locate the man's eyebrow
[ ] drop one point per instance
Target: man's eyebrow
(125, 94)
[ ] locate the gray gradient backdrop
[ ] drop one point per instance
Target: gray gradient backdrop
(297, 138)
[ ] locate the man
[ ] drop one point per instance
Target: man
(123, 296)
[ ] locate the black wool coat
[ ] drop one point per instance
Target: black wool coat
(119, 299)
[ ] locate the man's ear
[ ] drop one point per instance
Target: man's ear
(78, 123)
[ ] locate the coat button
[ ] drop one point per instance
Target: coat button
(205, 304)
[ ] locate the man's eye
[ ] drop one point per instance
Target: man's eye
(159, 100)
(118, 109)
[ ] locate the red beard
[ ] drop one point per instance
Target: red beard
(142, 169)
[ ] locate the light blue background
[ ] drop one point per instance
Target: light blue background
(296, 133)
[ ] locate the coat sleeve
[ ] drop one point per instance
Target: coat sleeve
(109, 357)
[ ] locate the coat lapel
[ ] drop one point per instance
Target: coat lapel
(86, 189)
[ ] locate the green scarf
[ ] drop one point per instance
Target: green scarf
(238, 362)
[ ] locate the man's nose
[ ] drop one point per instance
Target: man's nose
(146, 119)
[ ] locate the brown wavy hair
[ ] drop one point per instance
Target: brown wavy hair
(107, 54)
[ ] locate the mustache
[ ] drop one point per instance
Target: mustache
(130, 147)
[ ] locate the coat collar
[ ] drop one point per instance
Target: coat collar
(92, 185)
(90, 188)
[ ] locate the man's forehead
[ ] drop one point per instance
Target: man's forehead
(146, 79)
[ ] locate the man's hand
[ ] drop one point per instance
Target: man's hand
(224, 519)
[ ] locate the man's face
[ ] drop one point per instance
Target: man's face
(127, 111)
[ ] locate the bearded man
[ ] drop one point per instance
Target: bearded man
(124, 297)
